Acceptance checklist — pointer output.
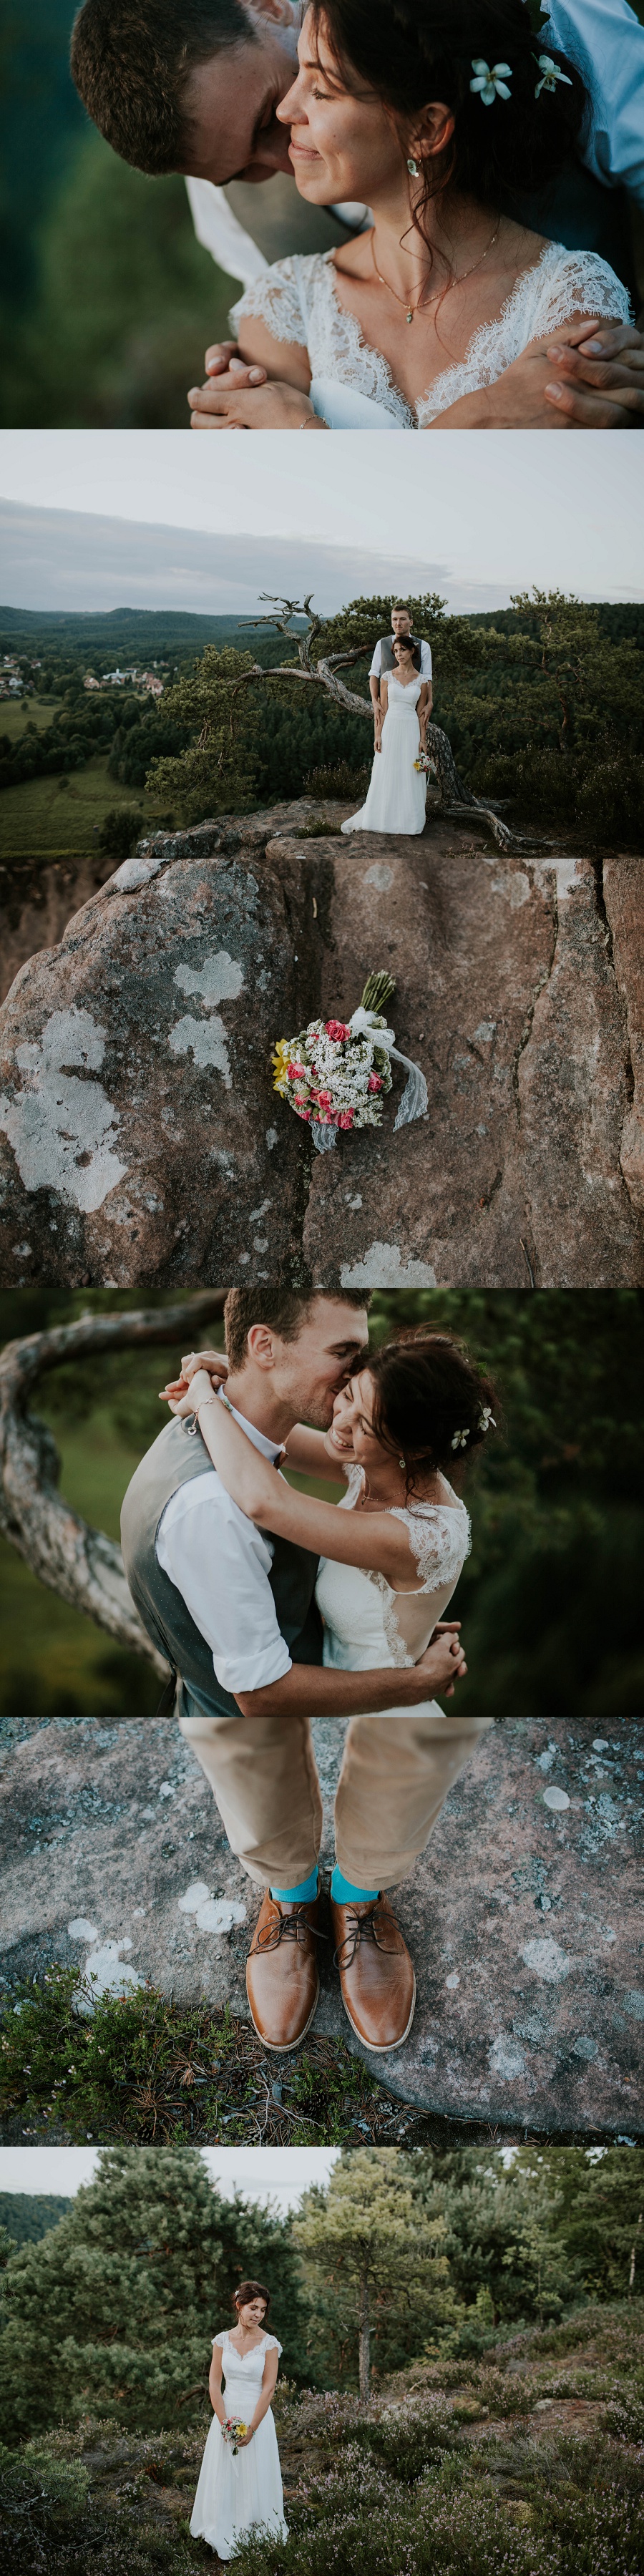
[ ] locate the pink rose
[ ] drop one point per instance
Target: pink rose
(302, 1113)
(346, 1118)
(374, 1082)
(337, 1029)
(296, 1072)
(324, 1098)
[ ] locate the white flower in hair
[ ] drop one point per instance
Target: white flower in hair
(460, 1439)
(486, 1417)
(490, 84)
(550, 74)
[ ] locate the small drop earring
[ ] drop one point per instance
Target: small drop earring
(402, 1462)
(414, 169)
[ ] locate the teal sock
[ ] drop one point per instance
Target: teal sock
(297, 1895)
(344, 1894)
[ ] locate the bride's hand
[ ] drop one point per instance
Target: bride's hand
(214, 1361)
(183, 1394)
(227, 404)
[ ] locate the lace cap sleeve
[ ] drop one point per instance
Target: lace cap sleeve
(574, 282)
(272, 2345)
(220, 2339)
(280, 298)
(440, 1538)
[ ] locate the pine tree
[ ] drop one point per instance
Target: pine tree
(371, 2254)
(123, 2298)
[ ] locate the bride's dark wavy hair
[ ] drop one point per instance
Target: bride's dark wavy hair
(251, 2290)
(427, 1388)
(413, 51)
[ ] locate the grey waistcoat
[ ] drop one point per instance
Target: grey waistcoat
(172, 1461)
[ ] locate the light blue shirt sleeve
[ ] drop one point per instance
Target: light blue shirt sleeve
(606, 42)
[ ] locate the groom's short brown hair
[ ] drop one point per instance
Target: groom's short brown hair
(131, 60)
(285, 1311)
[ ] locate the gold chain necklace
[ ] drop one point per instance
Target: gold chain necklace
(441, 290)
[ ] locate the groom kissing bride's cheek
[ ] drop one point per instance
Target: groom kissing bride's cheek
(473, 182)
(273, 1607)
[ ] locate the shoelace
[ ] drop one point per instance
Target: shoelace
(289, 1927)
(361, 1927)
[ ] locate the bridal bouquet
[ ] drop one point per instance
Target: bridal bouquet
(335, 1073)
(233, 2433)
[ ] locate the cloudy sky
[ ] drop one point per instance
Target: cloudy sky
(278, 2174)
(100, 519)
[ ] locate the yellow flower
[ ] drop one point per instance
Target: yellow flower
(280, 1062)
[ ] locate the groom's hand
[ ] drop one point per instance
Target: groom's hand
(443, 1661)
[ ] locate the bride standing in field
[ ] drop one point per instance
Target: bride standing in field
(396, 797)
(240, 2483)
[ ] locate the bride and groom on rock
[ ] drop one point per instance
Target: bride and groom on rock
(400, 683)
(475, 181)
(274, 1607)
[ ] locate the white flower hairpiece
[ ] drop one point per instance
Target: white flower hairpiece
(460, 1439)
(550, 74)
(490, 84)
(486, 1417)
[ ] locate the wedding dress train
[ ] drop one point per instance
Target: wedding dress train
(396, 797)
(239, 2489)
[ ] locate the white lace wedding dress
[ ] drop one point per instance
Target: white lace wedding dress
(366, 1623)
(351, 384)
(397, 792)
(237, 2490)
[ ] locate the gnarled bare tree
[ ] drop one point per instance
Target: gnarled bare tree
(456, 797)
(78, 1562)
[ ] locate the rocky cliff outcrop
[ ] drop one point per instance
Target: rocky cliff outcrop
(523, 1914)
(140, 1137)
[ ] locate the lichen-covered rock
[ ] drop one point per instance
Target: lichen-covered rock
(523, 1914)
(529, 1165)
(141, 1138)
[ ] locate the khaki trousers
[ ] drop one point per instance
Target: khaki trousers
(396, 1773)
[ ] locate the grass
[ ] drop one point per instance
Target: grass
(17, 713)
(148, 2071)
(452, 2464)
(55, 817)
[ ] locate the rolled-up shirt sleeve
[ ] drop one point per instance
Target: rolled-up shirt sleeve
(221, 1565)
(375, 666)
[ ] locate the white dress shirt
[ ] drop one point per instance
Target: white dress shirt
(221, 1565)
(606, 41)
(375, 672)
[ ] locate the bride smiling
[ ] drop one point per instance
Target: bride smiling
(446, 310)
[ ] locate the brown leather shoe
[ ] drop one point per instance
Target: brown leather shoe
(282, 1981)
(377, 1979)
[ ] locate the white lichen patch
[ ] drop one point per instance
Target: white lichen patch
(547, 1959)
(505, 2058)
(557, 1799)
(220, 979)
(206, 1040)
(515, 886)
(381, 1267)
(380, 878)
(105, 1973)
(61, 1125)
(210, 1913)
